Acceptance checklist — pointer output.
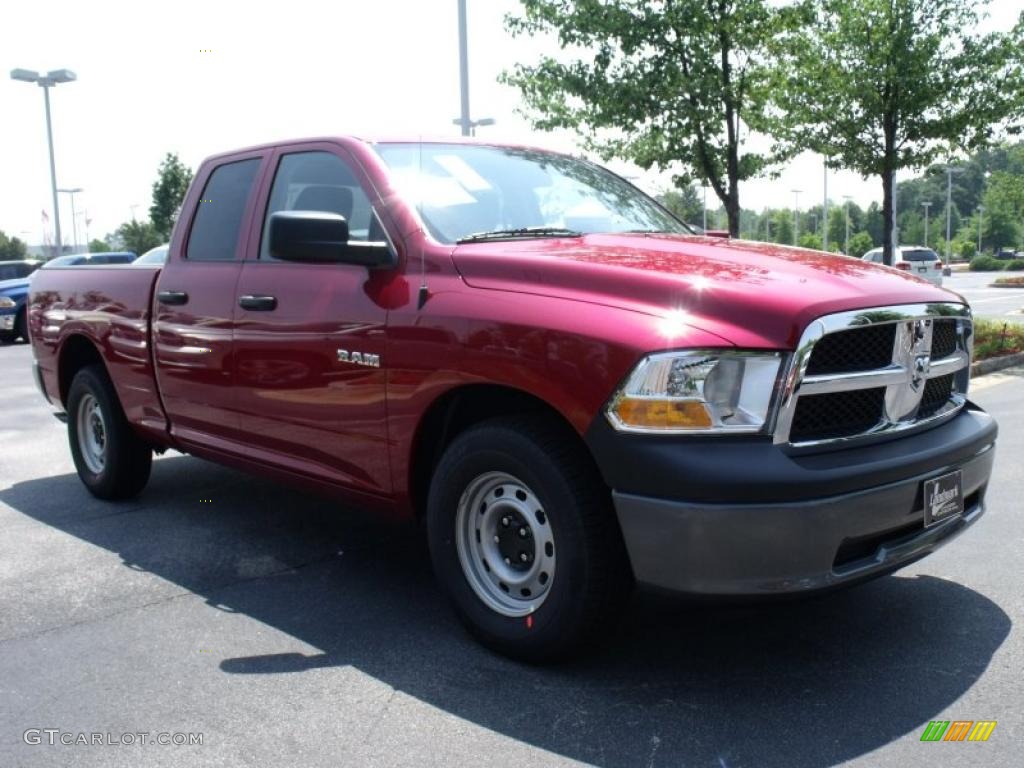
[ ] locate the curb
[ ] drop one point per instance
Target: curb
(993, 364)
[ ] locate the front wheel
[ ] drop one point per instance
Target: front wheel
(112, 461)
(524, 540)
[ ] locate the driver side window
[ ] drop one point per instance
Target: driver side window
(318, 181)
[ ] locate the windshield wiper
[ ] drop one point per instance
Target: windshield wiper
(511, 234)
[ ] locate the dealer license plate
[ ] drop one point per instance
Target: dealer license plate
(943, 498)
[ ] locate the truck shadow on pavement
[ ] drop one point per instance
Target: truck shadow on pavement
(808, 683)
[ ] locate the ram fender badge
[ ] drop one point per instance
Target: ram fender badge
(359, 358)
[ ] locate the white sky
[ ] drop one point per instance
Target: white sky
(276, 71)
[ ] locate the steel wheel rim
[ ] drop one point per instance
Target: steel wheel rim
(505, 544)
(92, 434)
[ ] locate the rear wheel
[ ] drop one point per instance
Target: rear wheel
(112, 461)
(524, 540)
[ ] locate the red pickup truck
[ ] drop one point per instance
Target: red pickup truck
(572, 390)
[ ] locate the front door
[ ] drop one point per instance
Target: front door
(310, 339)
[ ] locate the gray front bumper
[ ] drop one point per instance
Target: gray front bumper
(763, 549)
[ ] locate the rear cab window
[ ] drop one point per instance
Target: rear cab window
(218, 218)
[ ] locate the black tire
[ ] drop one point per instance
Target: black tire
(592, 579)
(20, 329)
(7, 337)
(127, 460)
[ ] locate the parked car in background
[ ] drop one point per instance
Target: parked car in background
(14, 270)
(917, 260)
(154, 256)
(86, 259)
(1006, 254)
(12, 309)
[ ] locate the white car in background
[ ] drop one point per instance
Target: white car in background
(153, 256)
(915, 259)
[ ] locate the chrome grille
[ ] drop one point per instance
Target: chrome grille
(876, 371)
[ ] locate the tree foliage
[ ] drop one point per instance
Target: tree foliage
(138, 236)
(685, 202)
(99, 246)
(173, 178)
(12, 248)
(881, 85)
(668, 85)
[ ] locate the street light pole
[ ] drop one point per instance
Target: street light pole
(950, 170)
(467, 125)
(926, 204)
(74, 221)
(705, 188)
(846, 247)
(796, 216)
(824, 213)
(46, 82)
(981, 215)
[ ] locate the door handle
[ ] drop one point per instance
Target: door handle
(172, 297)
(257, 303)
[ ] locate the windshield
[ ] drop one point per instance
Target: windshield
(463, 190)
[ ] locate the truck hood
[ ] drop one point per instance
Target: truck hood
(751, 294)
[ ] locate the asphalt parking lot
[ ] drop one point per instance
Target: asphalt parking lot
(288, 631)
(1005, 304)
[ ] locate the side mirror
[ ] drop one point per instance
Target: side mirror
(320, 237)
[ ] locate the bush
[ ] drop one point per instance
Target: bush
(1017, 265)
(986, 264)
(994, 338)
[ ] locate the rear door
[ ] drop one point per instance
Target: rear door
(194, 304)
(303, 404)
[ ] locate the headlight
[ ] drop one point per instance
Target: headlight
(697, 391)
(6, 302)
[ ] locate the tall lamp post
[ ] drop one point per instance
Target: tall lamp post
(926, 205)
(74, 221)
(47, 81)
(796, 216)
(950, 170)
(846, 246)
(468, 126)
(981, 216)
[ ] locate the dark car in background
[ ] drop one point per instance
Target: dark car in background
(14, 270)
(14, 292)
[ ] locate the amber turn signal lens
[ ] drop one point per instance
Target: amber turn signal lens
(662, 414)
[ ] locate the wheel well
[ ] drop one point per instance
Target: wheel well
(76, 353)
(456, 411)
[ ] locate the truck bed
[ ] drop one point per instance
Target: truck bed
(111, 307)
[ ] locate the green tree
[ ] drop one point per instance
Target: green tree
(685, 202)
(810, 240)
(138, 236)
(1004, 210)
(98, 246)
(665, 85)
(881, 85)
(860, 243)
(782, 227)
(11, 248)
(837, 226)
(173, 178)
